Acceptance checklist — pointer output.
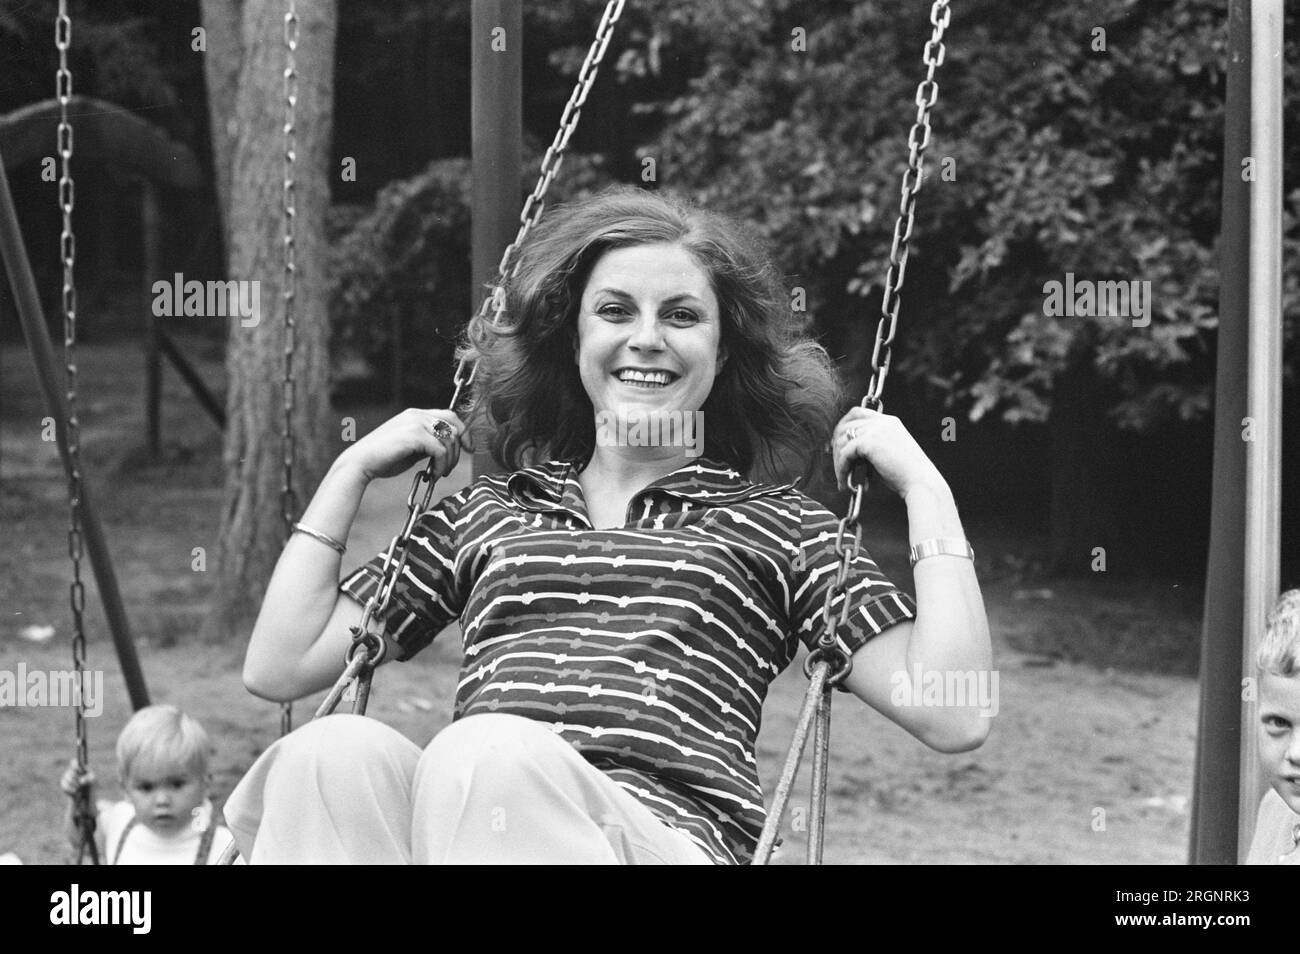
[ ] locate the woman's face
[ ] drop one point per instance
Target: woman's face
(648, 332)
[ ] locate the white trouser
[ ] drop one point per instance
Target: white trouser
(489, 789)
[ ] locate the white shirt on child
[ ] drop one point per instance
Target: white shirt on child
(146, 847)
(1276, 831)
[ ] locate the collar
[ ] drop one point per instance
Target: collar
(554, 484)
(200, 821)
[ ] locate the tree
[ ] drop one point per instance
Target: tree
(244, 63)
(1071, 152)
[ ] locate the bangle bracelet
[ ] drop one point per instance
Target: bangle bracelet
(324, 538)
(947, 546)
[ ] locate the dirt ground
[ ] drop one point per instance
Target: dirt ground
(1085, 764)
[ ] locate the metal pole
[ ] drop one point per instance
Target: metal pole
(32, 319)
(207, 400)
(820, 764)
(1263, 531)
(1215, 796)
(149, 225)
(496, 134)
(1245, 529)
(790, 768)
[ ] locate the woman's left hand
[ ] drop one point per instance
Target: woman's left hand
(882, 440)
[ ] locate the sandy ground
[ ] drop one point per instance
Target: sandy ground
(1084, 764)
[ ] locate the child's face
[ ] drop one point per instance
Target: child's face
(164, 797)
(1279, 735)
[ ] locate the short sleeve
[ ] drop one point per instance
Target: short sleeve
(877, 603)
(429, 594)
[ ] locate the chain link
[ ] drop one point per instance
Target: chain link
(85, 818)
(289, 290)
(830, 661)
(848, 538)
(494, 304)
(417, 501)
(927, 93)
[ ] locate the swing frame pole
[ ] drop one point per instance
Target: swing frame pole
(150, 226)
(32, 318)
(496, 145)
(1263, 543)
(1243, 570)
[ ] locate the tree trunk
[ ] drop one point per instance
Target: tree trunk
(221, 70)
(1081, 518)
(252, 532)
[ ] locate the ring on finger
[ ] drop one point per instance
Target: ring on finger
(443, 431)
(850, 434)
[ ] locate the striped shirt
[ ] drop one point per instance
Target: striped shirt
(650, 648)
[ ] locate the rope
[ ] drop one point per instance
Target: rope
(830, 662)
(83, 813)
(811, 699)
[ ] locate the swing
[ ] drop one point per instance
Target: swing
(827, 665)
(83, 810)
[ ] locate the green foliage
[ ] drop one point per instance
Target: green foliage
(408, 250)
(115, 55)
(1068, 159)
(407, 258)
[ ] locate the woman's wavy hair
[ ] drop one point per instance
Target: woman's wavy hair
(776, 398)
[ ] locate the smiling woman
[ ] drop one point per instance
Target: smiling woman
(642, 340)
(624, 605)
(631, 282)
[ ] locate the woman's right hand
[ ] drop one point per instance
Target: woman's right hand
(400, 442)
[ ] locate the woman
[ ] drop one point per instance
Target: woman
(624, 603)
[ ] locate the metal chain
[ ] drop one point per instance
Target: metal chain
(830, 661)
(360, 666)
(927, 93)
(494, 304)
(85, 817)
(918, 139)
(288, 497)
